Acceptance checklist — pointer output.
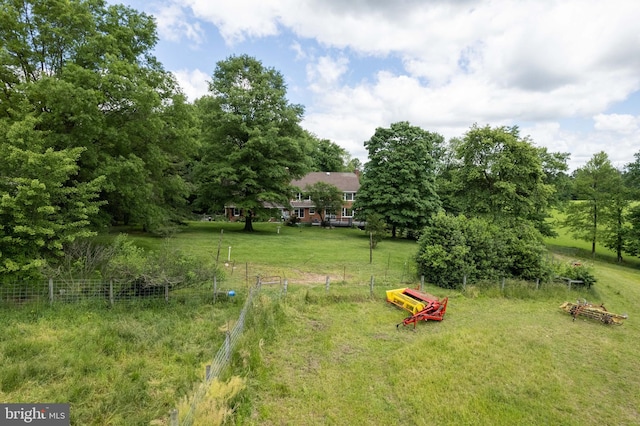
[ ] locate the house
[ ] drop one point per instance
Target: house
(304, 209)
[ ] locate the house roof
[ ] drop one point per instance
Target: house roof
(345, 182)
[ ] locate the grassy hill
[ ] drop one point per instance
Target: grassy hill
(318, 356)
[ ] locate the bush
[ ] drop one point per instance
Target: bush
(577, 271)
(454, 246)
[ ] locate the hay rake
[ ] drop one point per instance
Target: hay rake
(596, 312)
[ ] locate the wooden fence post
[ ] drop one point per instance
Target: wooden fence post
(502, 283)
(537, 283)
(51, 291)
(327, 284)
(284, 289)
(215, 288)
(464, 282)
(421, 282)
(173, 419)
(111, 292)
(166, 292)
(371, 287)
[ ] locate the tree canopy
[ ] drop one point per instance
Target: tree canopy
(252, 139)
(398, 182)
(500, 175)
(595, 183)
(325, 197)
(85, 72)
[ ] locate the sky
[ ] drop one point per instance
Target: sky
(566, 72)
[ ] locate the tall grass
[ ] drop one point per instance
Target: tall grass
(316, 356)
(121, 366)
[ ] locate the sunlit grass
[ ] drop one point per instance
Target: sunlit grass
(318, 356)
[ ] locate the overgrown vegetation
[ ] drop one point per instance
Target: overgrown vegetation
(456, 249)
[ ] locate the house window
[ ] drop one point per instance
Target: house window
(236, 211)
(347, 212)
(299, 213)
(312, 212)
(299, 196)
(349, 196)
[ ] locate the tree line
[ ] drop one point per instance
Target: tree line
(94, 132)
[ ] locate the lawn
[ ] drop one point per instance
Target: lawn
(319, 355)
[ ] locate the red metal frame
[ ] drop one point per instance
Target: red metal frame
(434, 309)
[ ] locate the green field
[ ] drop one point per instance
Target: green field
(318, 356)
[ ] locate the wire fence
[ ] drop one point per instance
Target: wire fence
(219, 362)
(52, 292)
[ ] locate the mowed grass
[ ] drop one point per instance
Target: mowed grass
(498, 358)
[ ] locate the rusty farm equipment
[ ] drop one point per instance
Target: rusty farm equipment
(589, 310)
(422, 306)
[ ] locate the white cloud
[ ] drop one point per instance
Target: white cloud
(193, 83)
(491, 62)
(620, 123)
(174, 25)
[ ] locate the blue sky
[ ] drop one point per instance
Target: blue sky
(566, 72)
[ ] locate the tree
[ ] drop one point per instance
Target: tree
(614, 217)
(251, 138)
(326, 156)
(325, 197)
(398, 182)
(86, 72)
(594, 184)
(499, 175)
(42, 206)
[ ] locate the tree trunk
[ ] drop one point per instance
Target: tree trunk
(248, 221)
(393, 231)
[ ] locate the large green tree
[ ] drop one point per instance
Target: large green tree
(632, 184)
(398, 182)
(595, 183)
(500, 175)
(85, 71)
(252, 139)
(42, 206)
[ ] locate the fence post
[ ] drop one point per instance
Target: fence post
(215, 288)
(111, 292)
(326, 284)
(464, 282)
(173, 419)
(51, 291)
(286, 283)
(502, 283)
(166, 292)
(537, 283)
(421, 282)
(371, 287)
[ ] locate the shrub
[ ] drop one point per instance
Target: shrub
(577, 271)
(454, 246)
